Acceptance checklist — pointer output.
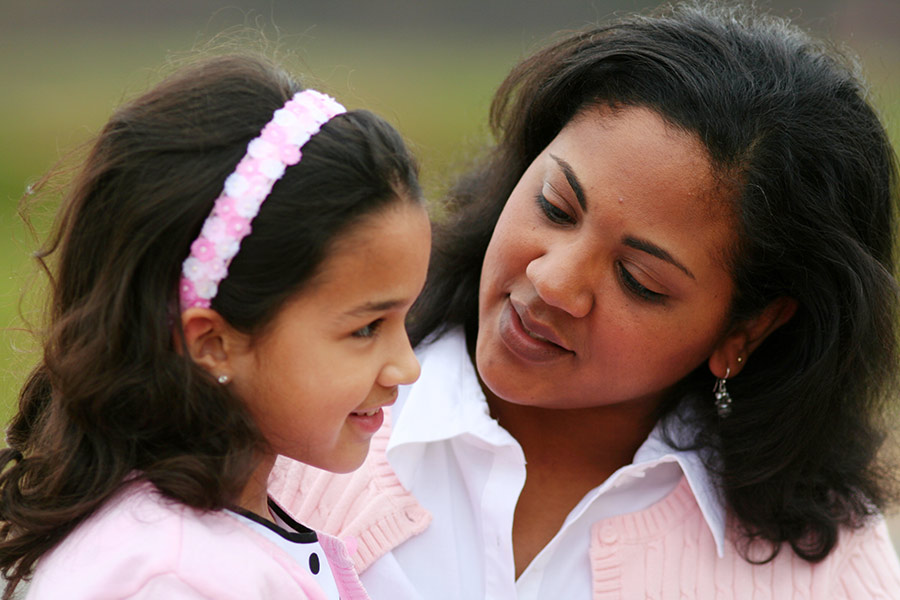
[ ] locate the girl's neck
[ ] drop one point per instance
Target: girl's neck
(255, 495)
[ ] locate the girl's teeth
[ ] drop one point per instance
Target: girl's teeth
(368, 413)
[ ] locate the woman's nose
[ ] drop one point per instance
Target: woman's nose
(562, 278)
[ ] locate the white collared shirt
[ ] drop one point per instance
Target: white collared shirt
(468, 471)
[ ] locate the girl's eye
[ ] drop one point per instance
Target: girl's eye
(369, 330)
(639, 290)
(553, 212)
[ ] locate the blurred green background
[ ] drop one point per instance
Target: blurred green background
(428, 67)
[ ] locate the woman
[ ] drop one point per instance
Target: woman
(657, 339)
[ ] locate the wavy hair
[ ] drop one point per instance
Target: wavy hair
(112, 400)
(786, 123)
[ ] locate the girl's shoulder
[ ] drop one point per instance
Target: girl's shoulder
(141, 541)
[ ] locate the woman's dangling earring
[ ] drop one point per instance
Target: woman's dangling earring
(723, 398)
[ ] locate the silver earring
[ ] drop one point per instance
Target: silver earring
(723, 398)
(223, 379)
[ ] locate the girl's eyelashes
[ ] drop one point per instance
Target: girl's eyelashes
(368, 330)
(553, 212)
(636, 288)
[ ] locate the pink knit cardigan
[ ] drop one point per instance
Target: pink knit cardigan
(141, 545)
(665, 551)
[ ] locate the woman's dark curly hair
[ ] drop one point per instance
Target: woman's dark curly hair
(112, 400)
(785, 119)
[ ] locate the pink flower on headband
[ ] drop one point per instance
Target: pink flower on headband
(189, 296)
(277, 147)
(236, 227)
(203, 249)
(290, 155)
(225, 205)
(274, 133)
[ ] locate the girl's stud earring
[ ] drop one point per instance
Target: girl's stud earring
(723, 398)
(223, 379)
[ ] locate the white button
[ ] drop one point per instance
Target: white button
(608, 535)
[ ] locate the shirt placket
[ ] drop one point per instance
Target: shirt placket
(501, 493)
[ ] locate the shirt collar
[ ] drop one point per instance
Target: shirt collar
(656, 451)
(447, 402)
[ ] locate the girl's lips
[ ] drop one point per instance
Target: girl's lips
(521, 341)
(369, 421)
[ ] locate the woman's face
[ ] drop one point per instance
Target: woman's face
(605, 280)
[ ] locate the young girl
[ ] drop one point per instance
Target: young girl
(231, 272)
(658, 336)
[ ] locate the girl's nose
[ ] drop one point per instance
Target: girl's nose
(562, 277)
(402, 367)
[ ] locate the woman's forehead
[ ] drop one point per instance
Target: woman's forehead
(634, 149)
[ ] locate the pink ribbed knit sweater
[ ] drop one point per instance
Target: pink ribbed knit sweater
(142, 545)
(663, 552)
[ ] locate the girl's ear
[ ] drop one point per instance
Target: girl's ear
(209, 341)
(732, 352)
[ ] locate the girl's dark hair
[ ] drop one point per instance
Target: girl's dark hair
(787, 126)
(112, 399)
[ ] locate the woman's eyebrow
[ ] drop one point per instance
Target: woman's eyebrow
(636, 243)
(569, 172)
(654, 250)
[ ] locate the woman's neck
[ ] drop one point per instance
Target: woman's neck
(595, 440)
(568, 452)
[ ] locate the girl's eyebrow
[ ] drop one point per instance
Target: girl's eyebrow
(373, 307)
(569, 172)
(654, 250)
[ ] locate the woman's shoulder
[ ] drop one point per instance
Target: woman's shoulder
(670, 545)
(141, 540)
(865, 562)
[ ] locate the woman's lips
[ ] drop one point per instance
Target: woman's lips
(529, 340)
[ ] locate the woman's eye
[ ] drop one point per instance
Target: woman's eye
(369, 330)
(635, 287)
(553, 212)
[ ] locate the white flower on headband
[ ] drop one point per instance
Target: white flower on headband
(277, 147)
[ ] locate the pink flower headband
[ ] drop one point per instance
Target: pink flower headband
(277, 147)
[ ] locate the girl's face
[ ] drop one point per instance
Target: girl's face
(316, 381)
(605, 280)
